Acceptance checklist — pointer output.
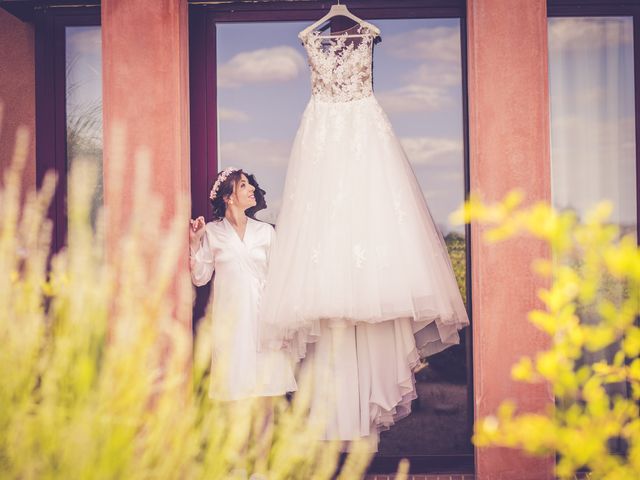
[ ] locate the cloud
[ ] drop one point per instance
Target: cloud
(435, 52)
(436, 74)
(266, 65)
(589, 33)
(439, 43)
(414, 98)
(270, 214)
(431, 150)
(231, 115)
(84, 40)
(248, 153)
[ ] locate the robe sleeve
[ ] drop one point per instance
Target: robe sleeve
(272, 239)
(202, 261)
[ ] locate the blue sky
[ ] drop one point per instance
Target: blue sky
(263, 87)
(84, 65)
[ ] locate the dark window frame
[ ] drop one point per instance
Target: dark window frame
(51, 115)
(204, 164)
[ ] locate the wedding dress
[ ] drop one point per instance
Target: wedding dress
(360, 281)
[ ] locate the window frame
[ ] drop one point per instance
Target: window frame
(51, 114)
(204, 138)
(51, 148)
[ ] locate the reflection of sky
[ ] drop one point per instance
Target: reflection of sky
(264, 87)
(84, 66)
(592, 114)
(417, 80)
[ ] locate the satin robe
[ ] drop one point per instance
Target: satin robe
(239, 370)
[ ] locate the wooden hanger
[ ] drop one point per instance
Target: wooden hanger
(336, 11)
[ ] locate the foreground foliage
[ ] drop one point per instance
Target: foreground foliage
(590, 314)
(98, 378)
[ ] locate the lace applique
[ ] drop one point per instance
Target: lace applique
(397, 206)
(315, 256)
(359, 255)
(341, 70)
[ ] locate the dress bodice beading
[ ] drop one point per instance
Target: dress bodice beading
(341, 65)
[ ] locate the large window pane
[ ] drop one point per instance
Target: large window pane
(263, 87)
(592, 115)
(84, 100)
(593, 151)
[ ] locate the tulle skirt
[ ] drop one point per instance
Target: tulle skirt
(355, 239)
(359, 278)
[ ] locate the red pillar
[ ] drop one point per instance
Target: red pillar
(509, 148)
(145, 97)
(17, 92)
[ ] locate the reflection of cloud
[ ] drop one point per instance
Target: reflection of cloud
(431, 194)
(413, 98)
(589, 33)
(260, 151)
(275, 64)
(231, 115)
(84, 40)
(436, 74)
(439, 43)
(429, 150)
(594, 95)
(455, 177)
(435, 52)
(270, 214)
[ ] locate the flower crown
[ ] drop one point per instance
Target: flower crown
(222, 176)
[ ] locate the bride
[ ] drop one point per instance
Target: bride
(236, 247)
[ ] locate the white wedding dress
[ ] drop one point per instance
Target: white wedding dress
(360, 282)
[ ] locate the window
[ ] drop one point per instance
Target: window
(83, 89)
(593, 152)
(68, 101)
(255, 97)
(592, 76)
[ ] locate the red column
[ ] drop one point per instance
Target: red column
(509, 148)
(17, 92)
(146, 107)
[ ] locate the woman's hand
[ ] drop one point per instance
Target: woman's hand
(196, 231)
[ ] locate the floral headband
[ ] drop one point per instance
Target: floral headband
(221, 178)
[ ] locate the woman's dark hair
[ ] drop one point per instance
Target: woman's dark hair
(259, 194)
(226, 188)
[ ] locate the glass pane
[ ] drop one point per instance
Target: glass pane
(263, 88)
(84, 100)
(593, 151)
(419, 84)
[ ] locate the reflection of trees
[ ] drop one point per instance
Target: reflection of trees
(458, 254)
(615, 291)
(450, 365)
(84, 130)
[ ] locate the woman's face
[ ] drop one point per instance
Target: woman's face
(243, 195)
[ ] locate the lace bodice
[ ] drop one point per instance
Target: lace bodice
(341, 65)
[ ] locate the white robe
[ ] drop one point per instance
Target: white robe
(239, 370)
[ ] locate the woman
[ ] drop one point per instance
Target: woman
(236, 247)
